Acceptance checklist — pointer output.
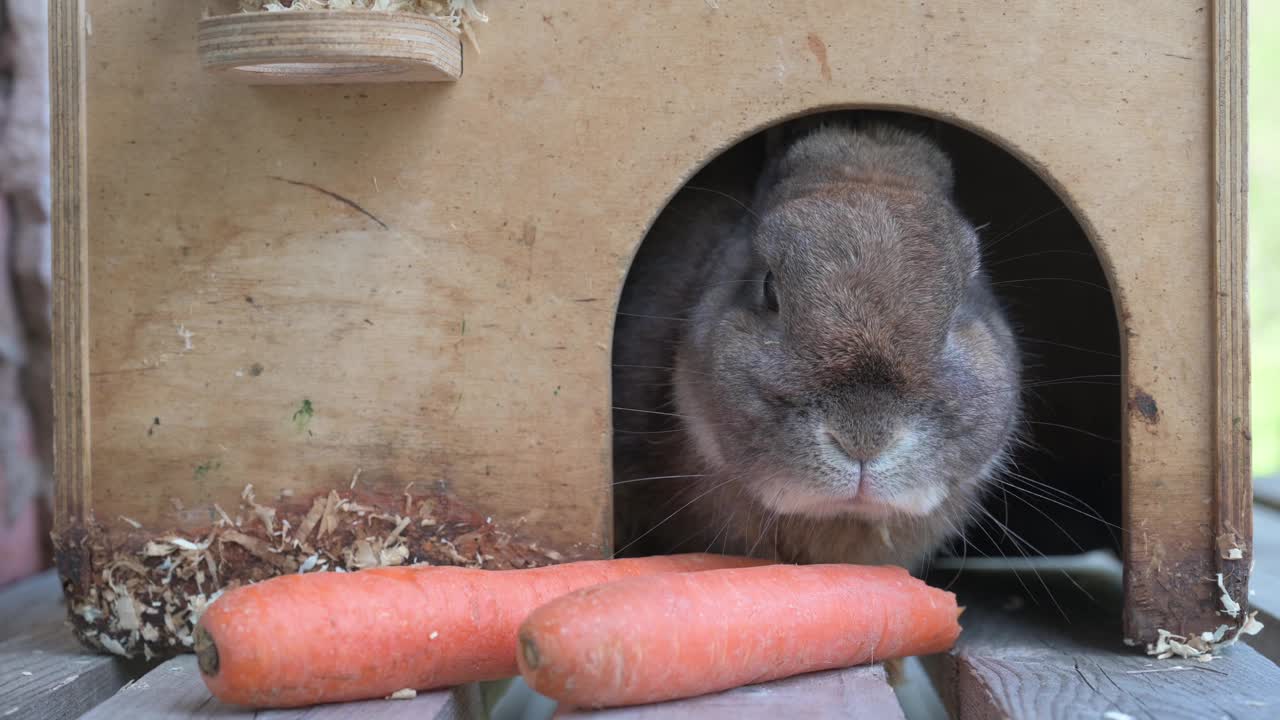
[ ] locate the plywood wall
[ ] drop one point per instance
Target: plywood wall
(287, 287)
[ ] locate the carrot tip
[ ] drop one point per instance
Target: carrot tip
(530, 651)
(206, 651)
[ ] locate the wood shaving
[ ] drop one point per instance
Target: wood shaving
(145, 601)
(90, 613)
(401, 524)
(225, 518)
(329, 519)
(389, 557)
(1202, 647)
(158, 549)
(112, 645)
(184, 544)
(312, 519)
(361, 555)
(405, 694)
(136, 525)
(266, 515)
(126, 612)
(1229, 605)
(260, 548)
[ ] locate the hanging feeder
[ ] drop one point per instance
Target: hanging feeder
(329, 47)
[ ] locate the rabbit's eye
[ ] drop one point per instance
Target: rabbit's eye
(769, 293)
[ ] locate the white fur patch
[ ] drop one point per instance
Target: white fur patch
(920, 500)
(892, 490)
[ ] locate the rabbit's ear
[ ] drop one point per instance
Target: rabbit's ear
(779, 137)
(777, 140)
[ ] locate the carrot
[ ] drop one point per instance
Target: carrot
(323, 637)
(647, 640)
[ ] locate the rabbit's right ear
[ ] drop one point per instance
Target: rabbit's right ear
(777, 140)
(782, 136)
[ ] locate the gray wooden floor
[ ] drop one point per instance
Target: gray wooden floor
(1041, 640)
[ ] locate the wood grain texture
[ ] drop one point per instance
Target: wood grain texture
(175, 690)
(861, 692)
(435, 267)
(68, 140)
(320, 47)
(45, 674)
(1037, 660)
(1233, 507)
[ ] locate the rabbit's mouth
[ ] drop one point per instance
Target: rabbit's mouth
(870, 496)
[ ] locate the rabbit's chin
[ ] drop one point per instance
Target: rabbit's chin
(791, 496)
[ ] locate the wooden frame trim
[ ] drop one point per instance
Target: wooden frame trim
(1233, 496)
(70, 265)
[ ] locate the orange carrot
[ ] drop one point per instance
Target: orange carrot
(647, 640)
(323, 637)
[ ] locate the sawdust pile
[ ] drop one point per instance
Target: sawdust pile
(146, 602)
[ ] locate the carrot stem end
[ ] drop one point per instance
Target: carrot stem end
(530, 651)
(206, 651)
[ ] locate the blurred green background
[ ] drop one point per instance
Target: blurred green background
(1264, 230)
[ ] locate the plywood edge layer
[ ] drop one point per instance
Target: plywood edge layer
(70, 263)
(310, 47)
(1233, 508)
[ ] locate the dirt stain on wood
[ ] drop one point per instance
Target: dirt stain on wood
(1146, 407)
(819, 50)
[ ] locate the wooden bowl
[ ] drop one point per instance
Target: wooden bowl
(329, 46)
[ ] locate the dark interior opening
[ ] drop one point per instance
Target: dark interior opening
(1062, 495)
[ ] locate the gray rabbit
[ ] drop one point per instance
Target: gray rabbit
(810, 364)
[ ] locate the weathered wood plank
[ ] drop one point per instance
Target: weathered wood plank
(1266, 491)
(861, 692)
(36, 601)
(1049, 645)
(1264, 582)
(175, 690)
(46, 674)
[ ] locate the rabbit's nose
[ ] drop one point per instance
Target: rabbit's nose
(859, 447)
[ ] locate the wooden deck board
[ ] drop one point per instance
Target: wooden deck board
(1264, 582)
(1266, 491)
(45, 673)
(1024, 655)
(33, 602)
(175, 690)
(861, 692)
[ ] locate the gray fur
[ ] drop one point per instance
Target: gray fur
(887, 347)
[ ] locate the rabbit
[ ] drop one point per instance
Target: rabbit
(810, 364)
